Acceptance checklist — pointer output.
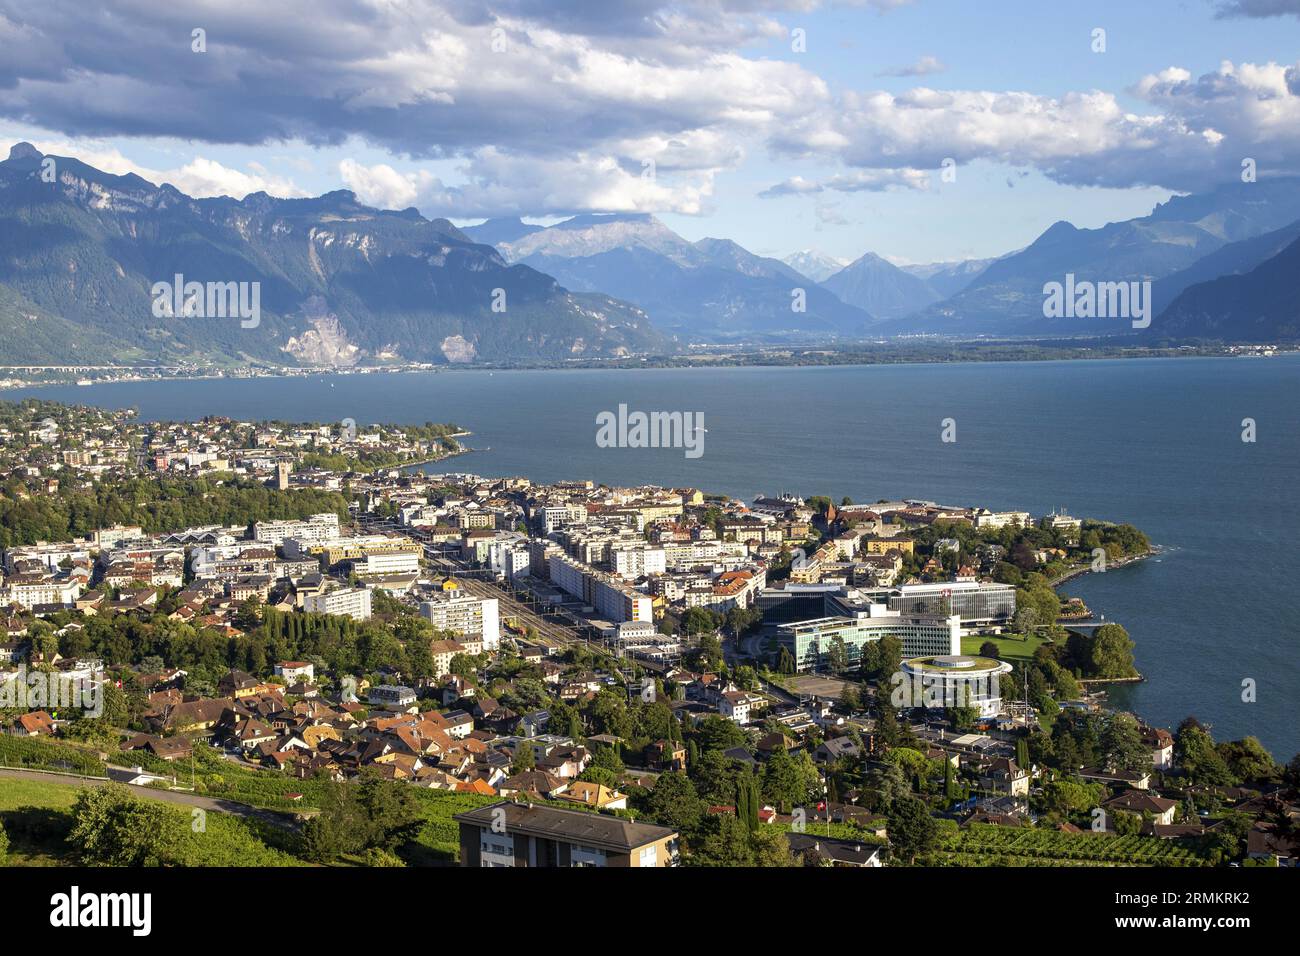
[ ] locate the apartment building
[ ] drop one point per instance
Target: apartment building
(473, 617)
(36, 590)
(609, 596)
(530, 835)
(637, 562)
(317, 529)
(442, 653)
(354, 602)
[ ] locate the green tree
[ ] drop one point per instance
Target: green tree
(391, 809)
(1196, 755)
(525, 759)
(888, 785)
(1247, 759)
(718, 733)
(114, 827)
(1022, 752)
(1111, 653)
(1121, 744)
(340, 826)
(912, 830)
(771, 848)
(721, 840)
(674, 803)
(783, 783)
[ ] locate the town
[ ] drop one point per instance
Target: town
(331, 653)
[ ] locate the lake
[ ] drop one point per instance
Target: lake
(1154, 442)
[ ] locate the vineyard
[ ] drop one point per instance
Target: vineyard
(983, 844)
(33, 753)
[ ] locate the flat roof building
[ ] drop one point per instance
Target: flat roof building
(975, 602)
(810, 642)
(951, 680)
(474, 617)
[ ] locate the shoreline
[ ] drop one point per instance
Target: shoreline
(907, 355)
(1138, 678)
(1114, 566)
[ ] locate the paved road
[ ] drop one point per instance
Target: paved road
(167, 796)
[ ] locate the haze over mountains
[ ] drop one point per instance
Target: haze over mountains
(814, 264)
(342, 283)
(712, 289)
(881, 288)
(1006, 298)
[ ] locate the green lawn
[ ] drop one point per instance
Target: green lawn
(1012, 647)
(35, 793)
(35, 816)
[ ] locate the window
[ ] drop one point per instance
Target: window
(649, 856)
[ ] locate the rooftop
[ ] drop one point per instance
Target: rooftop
(575, 826)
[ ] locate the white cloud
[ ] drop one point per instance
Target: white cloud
(583, 95)
(853, 181)
(201, 178)
(1257, 8)
(923, 66)
(1195, 133)
(499, 184)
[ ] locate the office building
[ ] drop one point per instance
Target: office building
(950, 681)
(976, 603)
(810, 642)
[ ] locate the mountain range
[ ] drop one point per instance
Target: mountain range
(814, 264)
(712, 289)
(83, 253)
(1258, 305)
(340, 283)
(881, 288)
(1179, 236)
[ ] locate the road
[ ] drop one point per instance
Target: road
(167, 796)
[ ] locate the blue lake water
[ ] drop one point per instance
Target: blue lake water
(1155, 442)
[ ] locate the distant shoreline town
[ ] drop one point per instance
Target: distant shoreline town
(283, 614)
(920, 351)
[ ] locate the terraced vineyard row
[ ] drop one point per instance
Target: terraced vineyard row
(983, 841)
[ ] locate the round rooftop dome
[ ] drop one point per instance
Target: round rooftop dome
(956, 664)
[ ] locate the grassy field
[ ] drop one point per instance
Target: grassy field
(1012, 647)
(35, 816)
(38, 815)
(35, 793)
(31, 805)
(439, 842)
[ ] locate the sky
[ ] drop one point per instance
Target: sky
(921, 130)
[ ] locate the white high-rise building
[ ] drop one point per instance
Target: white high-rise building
(354, 602)
(472, 617)
(637, 562)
